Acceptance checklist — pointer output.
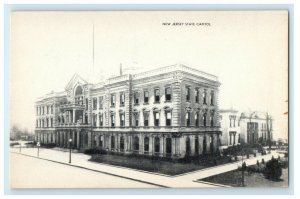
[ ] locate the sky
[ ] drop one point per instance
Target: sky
(247, 50)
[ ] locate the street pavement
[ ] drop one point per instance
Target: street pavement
(28, 172)
(188, 180)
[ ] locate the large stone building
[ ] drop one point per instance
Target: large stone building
(169, 112)
(247, 127)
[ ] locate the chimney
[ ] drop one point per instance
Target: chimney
(121, 72)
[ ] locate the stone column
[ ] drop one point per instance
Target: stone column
(73, 139)
(192, 144)
(162, 119)
(215, 142)
(73, 115)
(201, 138)
(151, 145)
(54, 137)
(208, 143)
(234, 139)
(182, 141)
(161, 146)
(174, 151)
(78, 139)
(151, 118)
(89, 139)
(141, 144)
(125, 142)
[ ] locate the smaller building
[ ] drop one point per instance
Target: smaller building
(245, 127)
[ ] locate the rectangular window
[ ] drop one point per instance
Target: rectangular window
(94, 120)
(122, 98)
(122, 119)
(156, 119)
(136, 97)
(188, 93)
(168, 94)
(188, 118)
(146, 97)
(196, 95)
(168, 118)
(146, 119)
(95, 103)
(113, 99)
(112, 118)
(136, 119)
(101, 119)
(86, 104)
(101, 102)
(156, 95)
(212, 95)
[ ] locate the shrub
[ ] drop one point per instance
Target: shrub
(49, 145)
(95, 151)
(273, 170)
(14, 143)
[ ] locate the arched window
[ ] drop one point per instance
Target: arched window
(100, 140)
(188, 118)
(204, 145)
(211, 120)
(156, 144)
(187, 146)
(204, 119)
(169, 146)
(86, 138)
(146, 144)
(136, 143)
(112, 142)
(122, 142)
(78, 90)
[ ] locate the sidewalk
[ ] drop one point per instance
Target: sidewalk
(81, 160)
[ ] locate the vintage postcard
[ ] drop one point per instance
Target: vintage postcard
(148, 99)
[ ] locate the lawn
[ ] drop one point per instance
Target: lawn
(157, 165)
(234, 179)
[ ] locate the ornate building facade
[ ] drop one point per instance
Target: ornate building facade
(247, 127)
(168, 112)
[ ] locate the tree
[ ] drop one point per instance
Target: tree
(273, 170)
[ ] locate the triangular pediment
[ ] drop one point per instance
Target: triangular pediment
(75, 80)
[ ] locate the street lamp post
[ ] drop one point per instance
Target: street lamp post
(243, 169)
(70, 144)
(38, 147)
